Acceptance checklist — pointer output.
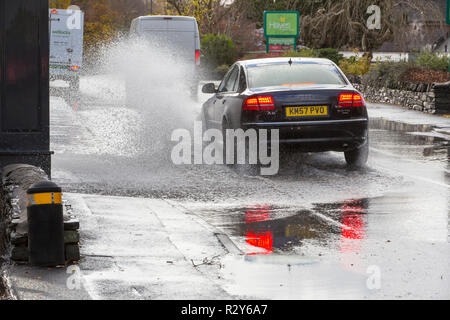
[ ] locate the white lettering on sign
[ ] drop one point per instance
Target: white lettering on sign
(280, 26)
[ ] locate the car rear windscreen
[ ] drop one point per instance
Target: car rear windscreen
(270, 75)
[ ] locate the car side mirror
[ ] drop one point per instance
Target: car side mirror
(209, 88)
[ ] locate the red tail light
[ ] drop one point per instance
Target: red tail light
(358, 101)
(197, 57)
(251, 104)
(74, 68)
(54, 11)
(259, 103)
(351, 100)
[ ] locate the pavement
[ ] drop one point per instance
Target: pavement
(179, 249)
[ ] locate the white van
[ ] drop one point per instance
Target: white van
(179, 33)
(176, 36)
(66, 45)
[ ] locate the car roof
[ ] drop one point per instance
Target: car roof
(179, 18)
(273, 61)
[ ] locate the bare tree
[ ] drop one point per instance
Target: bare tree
(343, 24)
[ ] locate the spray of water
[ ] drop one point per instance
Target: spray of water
(148, 88)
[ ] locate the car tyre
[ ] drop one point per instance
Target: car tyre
(358, 157)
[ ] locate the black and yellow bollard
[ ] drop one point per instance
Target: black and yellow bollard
(45, 225)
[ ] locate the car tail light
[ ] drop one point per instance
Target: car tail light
(54, 11)
(351, 100)
(251, 104)
(259, 103)
(197, 57)
(358, 101)
(266, 103)
(74, 68)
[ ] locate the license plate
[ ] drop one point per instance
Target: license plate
(307, 111)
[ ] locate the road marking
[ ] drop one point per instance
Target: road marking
(329, 220)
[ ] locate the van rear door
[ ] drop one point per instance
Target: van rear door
(179, 35)
(66, 44)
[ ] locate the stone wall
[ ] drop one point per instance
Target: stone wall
(3, 225)
(430, 98)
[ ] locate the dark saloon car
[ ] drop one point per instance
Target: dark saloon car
(309, 100)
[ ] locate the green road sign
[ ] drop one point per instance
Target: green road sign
(281, 23)
(281, 44)
(282, 41)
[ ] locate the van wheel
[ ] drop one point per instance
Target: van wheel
(358, 157)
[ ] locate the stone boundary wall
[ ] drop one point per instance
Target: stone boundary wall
(16, 181)
(3, 243)
(433, 98)
(3, 225)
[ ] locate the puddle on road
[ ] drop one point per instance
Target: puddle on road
(412, 140)
(265, 229)
(385, 124)
(328, 252)
(273, 245)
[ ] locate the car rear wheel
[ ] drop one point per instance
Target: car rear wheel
(358, 157)
(247, 168)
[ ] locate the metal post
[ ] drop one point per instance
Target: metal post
(146, 7)
(45, 225)
(151, 6)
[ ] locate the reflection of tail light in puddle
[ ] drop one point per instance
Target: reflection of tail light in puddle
(257, 214)
(355, 225)
(352, 232)
(259, 239)
(262, 240)
(352, 217)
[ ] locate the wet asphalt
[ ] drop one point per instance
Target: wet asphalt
(315, 230)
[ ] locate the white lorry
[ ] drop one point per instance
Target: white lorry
(66, 45)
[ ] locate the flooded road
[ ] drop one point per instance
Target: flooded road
(315, 230)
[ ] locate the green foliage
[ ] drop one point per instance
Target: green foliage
(355, 66)
(427, 68)
(217, 50)
(58, 4)
(386, 74)
(330, 53)
(221, 71)
(304, 53)
(327, 53)
(432, 61)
